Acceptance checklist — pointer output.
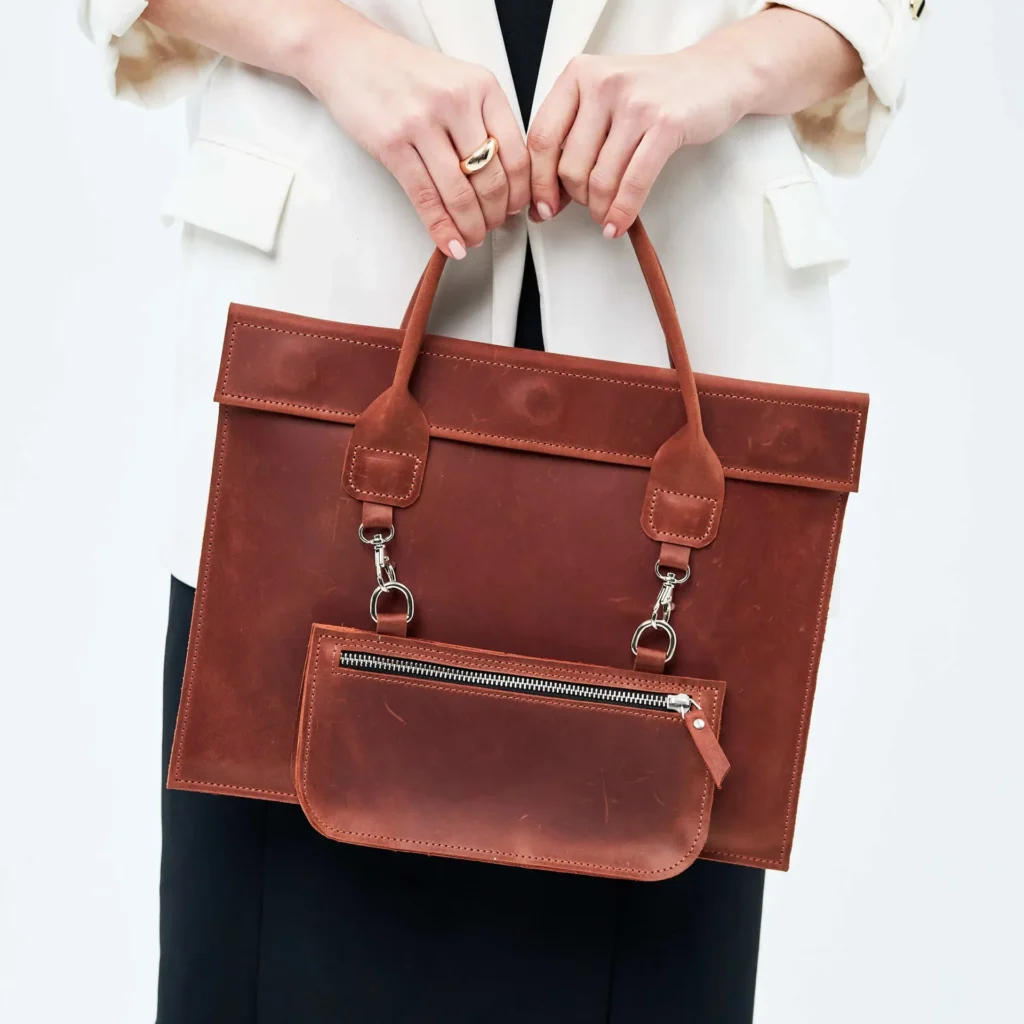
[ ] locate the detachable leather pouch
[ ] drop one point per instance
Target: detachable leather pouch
(425, 747)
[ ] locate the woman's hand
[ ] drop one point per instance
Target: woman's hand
(419, 112)
(611, 123)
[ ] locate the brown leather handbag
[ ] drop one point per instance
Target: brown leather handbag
(541, 714)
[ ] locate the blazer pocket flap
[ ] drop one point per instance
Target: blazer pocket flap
(808, 233)
(232, 190)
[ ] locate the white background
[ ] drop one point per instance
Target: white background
(904, 898)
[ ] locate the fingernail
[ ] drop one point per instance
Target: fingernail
(515, 213)
(476, 245)
(545, 211)
(457, 249)
(610, 231)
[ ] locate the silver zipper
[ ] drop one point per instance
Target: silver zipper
(387, 665)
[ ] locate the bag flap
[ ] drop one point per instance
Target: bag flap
(532, 401)
(407, 758)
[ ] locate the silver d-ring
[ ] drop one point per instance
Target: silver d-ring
(653, 624)
(373, 540)
(410, 604)
(664, 577)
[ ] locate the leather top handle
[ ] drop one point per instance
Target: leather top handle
(386, 458)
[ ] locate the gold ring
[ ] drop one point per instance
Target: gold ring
(480, 157)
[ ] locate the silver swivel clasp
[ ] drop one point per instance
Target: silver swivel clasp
(387, 580)
(662, 612)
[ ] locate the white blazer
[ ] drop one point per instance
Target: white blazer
(280, 208)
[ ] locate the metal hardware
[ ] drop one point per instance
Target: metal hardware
(377, 536)
(681, 702)
(364, 661)
(385, 588)
(387, 580)
(655, 624)
(663, 606)
(698, 723)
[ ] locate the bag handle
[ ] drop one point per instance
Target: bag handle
(387, 454)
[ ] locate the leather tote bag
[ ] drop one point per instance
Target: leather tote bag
(425, 600)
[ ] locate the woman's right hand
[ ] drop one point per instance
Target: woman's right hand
(419, 112)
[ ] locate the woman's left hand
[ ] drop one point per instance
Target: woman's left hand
(610, 124)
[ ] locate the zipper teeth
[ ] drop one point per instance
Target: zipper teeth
(500, 680)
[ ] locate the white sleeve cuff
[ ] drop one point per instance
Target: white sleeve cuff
(142, 62)
(843, 133)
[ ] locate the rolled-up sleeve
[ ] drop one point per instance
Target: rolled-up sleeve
(142, 62)
(843, 133)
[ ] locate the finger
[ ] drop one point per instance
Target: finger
(412, 174)
(457, 193)
(641, 172)
(581, 148)
(564, 200)
(548, 132)
(515, 158)
(468, 134)
(607, 173)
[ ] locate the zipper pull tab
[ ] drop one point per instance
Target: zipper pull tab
(703, 735)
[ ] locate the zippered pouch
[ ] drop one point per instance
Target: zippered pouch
(425, 747)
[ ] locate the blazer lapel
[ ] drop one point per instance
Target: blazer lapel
(570, 28)
(470, 30)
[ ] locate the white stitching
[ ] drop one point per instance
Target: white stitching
(681, 494)
(309, 704)
(383, 451)
(537, 369)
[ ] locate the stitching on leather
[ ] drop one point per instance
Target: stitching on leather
(819, 629)
(560, 373)
(806, 405)
(767, 862)
(383, 451)
(553, 445)
(200, 610)
(369, 642)
(186, 700)
(681, 494)
(310, 707)
(461, 359)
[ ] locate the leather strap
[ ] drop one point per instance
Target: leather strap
(649, 659)
(377, 516)
(386, 458)
(673, 556)
(393, 623)
(707, 744)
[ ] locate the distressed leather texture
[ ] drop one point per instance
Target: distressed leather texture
(512, 778)
(548, 486)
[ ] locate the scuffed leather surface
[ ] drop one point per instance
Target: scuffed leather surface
(505, 550)
(524, 537)
(461, 771)
(494, 396)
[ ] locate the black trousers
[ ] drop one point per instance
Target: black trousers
(264, 921)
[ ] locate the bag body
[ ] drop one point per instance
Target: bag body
(553, 486)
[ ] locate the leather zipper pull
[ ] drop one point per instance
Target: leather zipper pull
(707, 744)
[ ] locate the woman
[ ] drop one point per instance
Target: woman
(309, 119)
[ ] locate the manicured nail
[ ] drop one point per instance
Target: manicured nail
(457, 249)
(545, 211)
(610, 231)
(515, 213)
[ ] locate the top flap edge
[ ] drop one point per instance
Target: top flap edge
(255, 382)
